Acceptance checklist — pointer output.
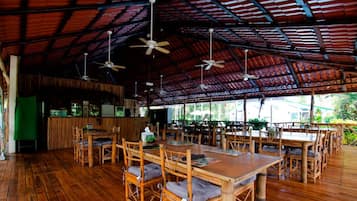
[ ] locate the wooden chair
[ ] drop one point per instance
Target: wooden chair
(81, 145)
(314, 160)
(325, 150)
(140, 179)
(75, 143)
(107, 146)
(245, 189)
(191, 137)
(272, 145)
(178, 165)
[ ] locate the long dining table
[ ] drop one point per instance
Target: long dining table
(224, 168)
(93, 134)
(292, 139)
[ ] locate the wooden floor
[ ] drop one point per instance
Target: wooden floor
(53, 176)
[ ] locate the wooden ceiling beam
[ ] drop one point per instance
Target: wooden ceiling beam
(85, 30)
(62, 24)
(291, 70)
(115, 32)
(297, 25)
(70, 34)
(106, 5)
(23, 26)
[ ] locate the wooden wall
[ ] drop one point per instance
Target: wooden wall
(59, 130)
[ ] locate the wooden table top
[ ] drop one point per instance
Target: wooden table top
(286, 135)
(223, 166)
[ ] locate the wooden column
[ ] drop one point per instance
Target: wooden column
(245, 112)
(312, 107)
(184, 114)
(14, 63)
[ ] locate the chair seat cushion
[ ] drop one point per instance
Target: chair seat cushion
(310, 153)
(151, 171)
(201, 190)
(103, 141)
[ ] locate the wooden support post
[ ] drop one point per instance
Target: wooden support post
(312, 107)
(245, 112)
(14, 63)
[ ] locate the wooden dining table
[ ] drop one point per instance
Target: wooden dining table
(224, 168)
(93, 134)
(292, 139)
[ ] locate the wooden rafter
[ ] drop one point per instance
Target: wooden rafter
(71, 8)
(70, 34)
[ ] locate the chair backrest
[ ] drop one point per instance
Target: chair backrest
(318, 144)
(191, 137)
(176, 164)
(271, 140)
(116, 129)
(133, 155)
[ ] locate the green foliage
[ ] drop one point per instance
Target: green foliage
(346, 106)
(257, 123)
(318, 116)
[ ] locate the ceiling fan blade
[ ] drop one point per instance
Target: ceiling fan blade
(162, 43)
(219, 62)
(206, 61)
(218, 65)
(143, 40)
(200, 65)
(133, 46)
(148, 51)
(209, 66)
(119, 67)
(163, 50)
(102, 67)
(99, 63)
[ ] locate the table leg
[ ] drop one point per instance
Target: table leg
(114, 148)
(261, 186)
(304, 163)
(228, 192)
(90, 150)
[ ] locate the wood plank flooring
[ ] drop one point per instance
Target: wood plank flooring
(52, 176)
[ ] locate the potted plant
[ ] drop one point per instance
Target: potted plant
(257, 124)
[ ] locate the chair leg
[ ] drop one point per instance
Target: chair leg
(126, 190)
(141, 192)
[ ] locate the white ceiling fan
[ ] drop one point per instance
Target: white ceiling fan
(162, 91)
(209, 63)
(202, 85)
(151, 44)
(109, 64)
(247, 76)
(84, 77)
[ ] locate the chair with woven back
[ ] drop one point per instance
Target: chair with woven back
(140, 179)
(314, 159)
(178, 183)
(107, 145)
(272, 145)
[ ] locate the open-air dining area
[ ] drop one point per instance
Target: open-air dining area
(178, 100)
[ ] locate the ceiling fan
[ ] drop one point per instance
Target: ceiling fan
(202, 85)
(84, 77)
(151, 44)
(109, 64)
(162, 91)
(136, 95)
(209, 63)
(247, 76)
